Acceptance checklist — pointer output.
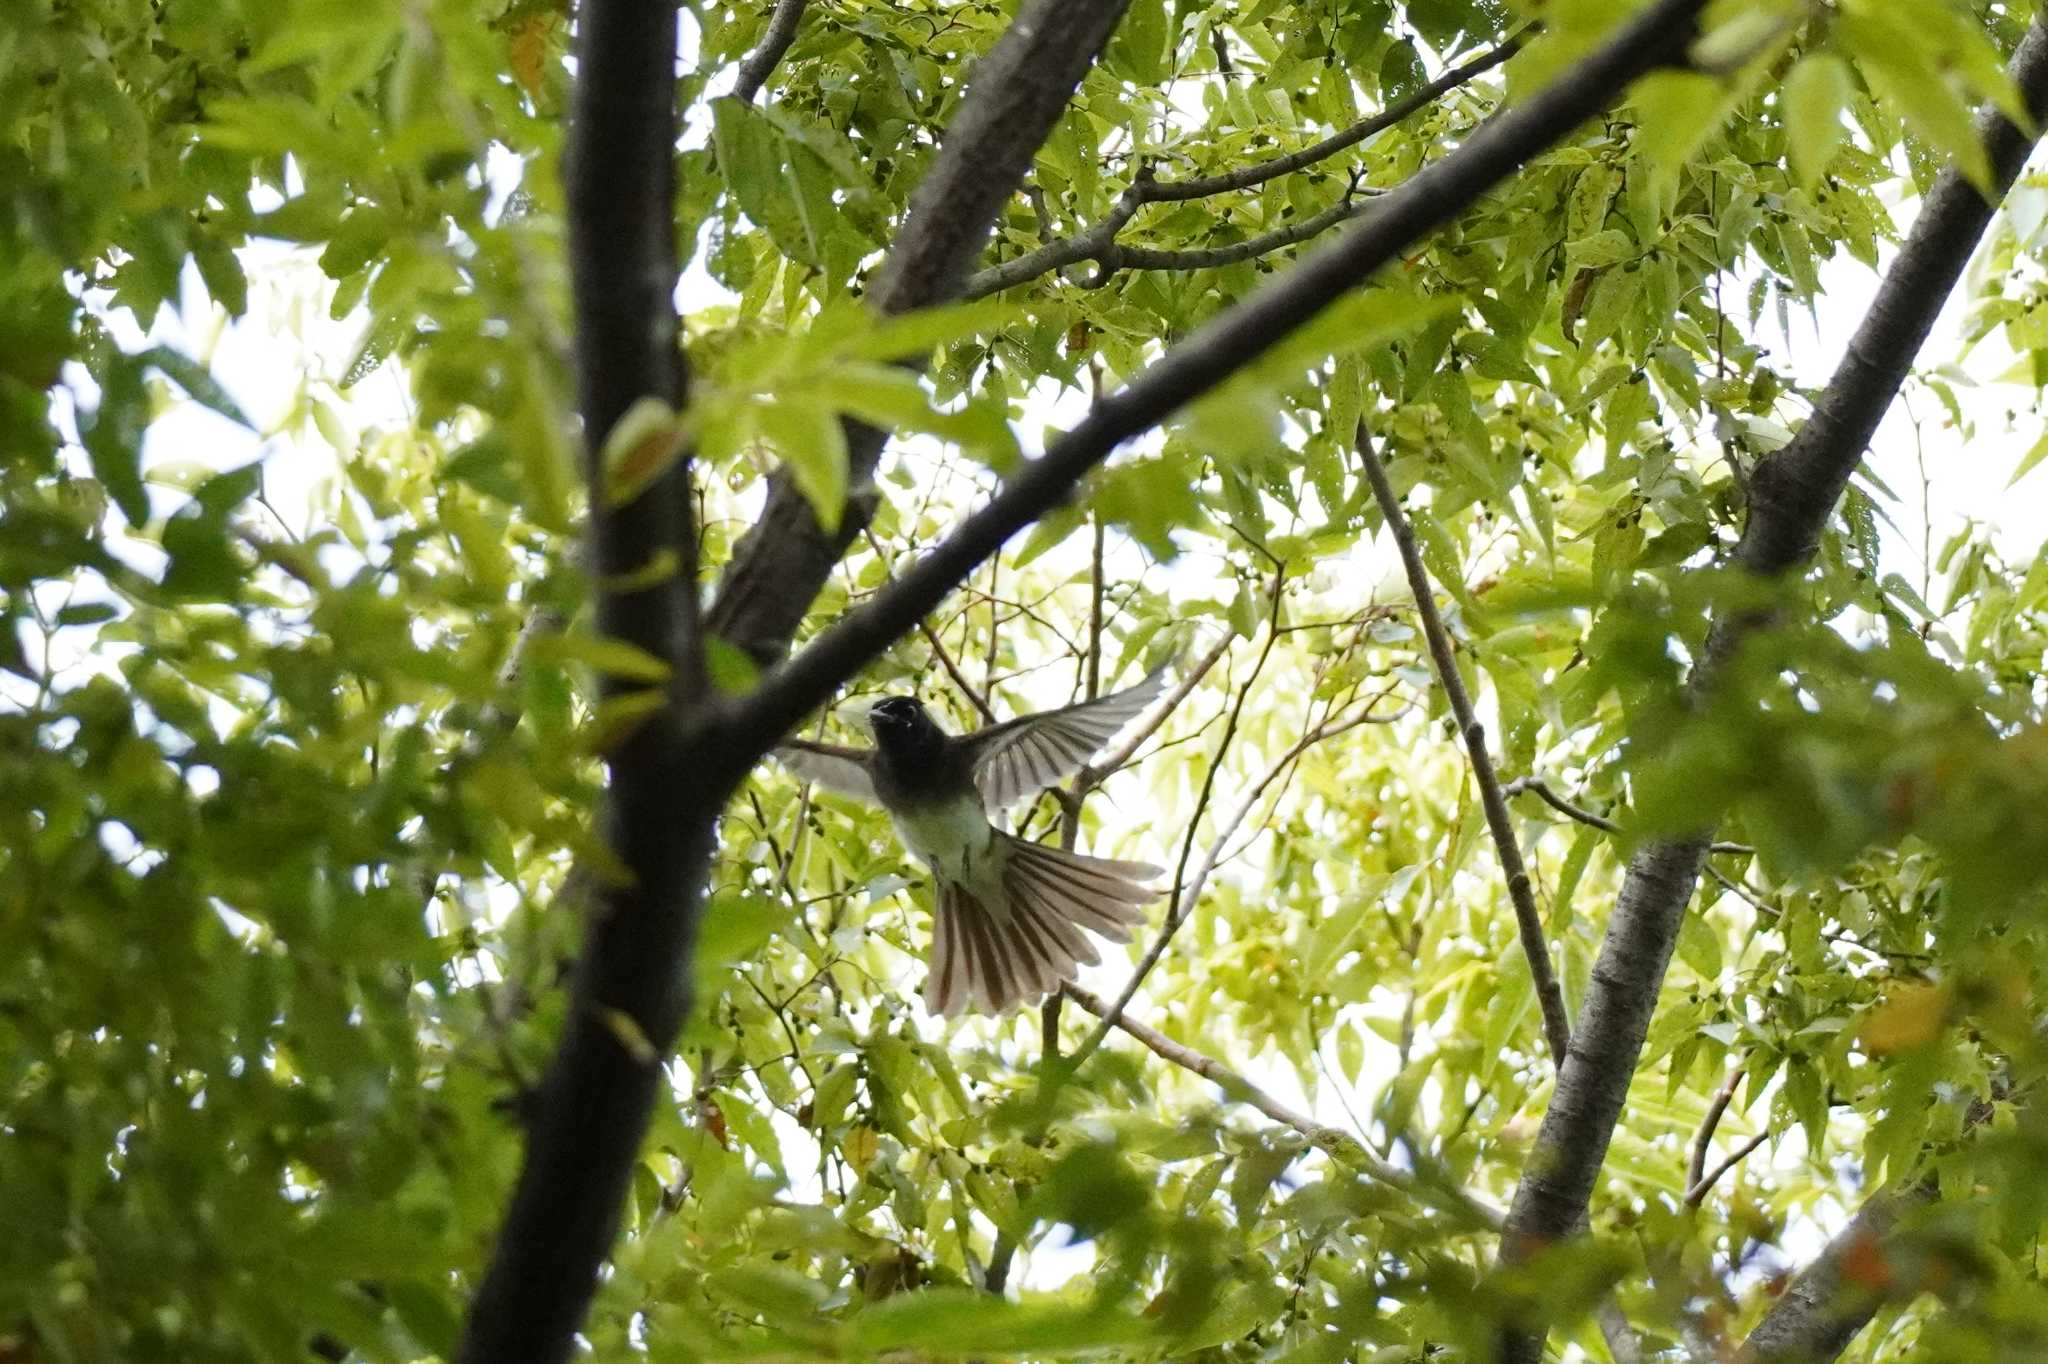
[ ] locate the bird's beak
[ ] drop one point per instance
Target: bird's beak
(860, 710)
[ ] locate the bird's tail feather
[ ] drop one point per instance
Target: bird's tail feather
(997, 956)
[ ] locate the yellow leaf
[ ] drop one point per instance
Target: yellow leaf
(1911, 1018)
(860, 1147)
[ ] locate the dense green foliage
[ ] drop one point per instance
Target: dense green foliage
(288, 798)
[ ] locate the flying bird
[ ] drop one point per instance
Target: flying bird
(1011, 913)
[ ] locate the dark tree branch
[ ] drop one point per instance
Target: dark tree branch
(1537, 787)
(1118, 257)
(1258, 172)
(1824, 1307)
(1557, 1029)
(1223, 346)
(1702, 1140)
(782, 25)
(629, 994)
(1792, 493)
(1704, 1185)
(1098, 243)
(1014, 98)
(1060, 252)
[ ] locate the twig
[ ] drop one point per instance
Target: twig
(938, 647)
(1185, 895)
(1098, 243)
(1697, 1170)
(1116, 256)
(1706, 1182)
(781, 32)
(1323, 1137)
(1258, 172)
(1185, 903)
(1099, 771)
(1537, 787)
(1556, 1025)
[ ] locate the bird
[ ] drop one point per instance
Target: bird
(1012, 917)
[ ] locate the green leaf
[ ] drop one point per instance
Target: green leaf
(1901, 72)
(2037, 452)
(197, 381)
(764, 171)
(1815, 94)
(1400, 71)
(808, 436)
(1679, 111)
(113, 437)
(614, 657)
(956, 1322)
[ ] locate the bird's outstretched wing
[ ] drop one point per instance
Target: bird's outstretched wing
(1021, 757)
(832, 766)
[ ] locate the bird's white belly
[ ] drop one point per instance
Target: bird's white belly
(955, 840)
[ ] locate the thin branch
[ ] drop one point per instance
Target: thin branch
(1099, 771)
(1557, 1029)
(1697, 1170)
(1537, 787)
(1654, 37)
(1118, 257)
(1060, 252)
(1792, 494)
(781, 32)
(1333, 1140)
(1185, 895)
(1705, 1183)
(1258, 172)
(1184, 905)
(938, 646)
(1099, 242)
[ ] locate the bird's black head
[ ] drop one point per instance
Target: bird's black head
(904, 729)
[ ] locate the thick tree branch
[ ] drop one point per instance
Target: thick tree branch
(1014, 98)
(1337, 1142)
(782, 25)
(1792, 493)
(1219, 349)
(1557, 1030)
(1824, 1307)
(630, 992)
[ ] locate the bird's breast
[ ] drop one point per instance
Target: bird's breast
(953, 838)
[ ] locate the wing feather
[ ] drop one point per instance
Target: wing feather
(832, 766)
(1019, 758)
